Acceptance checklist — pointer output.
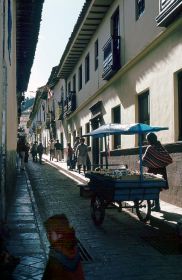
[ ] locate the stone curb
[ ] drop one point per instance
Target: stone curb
(37, 218)
(71, 174)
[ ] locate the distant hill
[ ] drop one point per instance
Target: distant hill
(28, 102)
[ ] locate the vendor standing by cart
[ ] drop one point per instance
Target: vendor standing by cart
(156, 158)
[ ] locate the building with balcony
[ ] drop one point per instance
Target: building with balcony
(123, 64)
(41, 118)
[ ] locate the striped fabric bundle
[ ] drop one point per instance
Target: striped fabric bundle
(156, 157)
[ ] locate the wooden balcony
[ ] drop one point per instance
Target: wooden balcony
(170, 10)
(69, 105)
(65, 107)
(111, 62)
(61, 109)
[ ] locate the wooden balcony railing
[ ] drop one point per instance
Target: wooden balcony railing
(61, 109)
(170, 10)
(71, 102)
(111, 62)
(65, 107)
(69, 105)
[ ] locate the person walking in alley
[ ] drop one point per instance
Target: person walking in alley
(156, 158)
(52, 149)
(40, 150)
(76, 143)
(58, 150)
(34, 151)
(81, 154)
(27, 152)
(70, 154)
(64, 259)
(21, 150)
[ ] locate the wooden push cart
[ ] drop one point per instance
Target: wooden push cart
(107, 189)
(109, 192)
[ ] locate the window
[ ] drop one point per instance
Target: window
(87, 130)
(116, 116)
(111, 49)
(96, 54)
(69, 88)
(140, 7)
(144, 109)
(74, 83)
(74, 136)
(80, 131)
(87, 68)
(115, 28)
(80, 77)
(62, 93)
(144, 116)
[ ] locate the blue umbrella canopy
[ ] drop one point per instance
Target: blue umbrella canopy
(127, 129)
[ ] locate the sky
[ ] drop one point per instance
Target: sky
(58, 20)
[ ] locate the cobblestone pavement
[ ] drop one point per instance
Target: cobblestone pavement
(120, 248)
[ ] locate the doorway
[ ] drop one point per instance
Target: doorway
(95, 145)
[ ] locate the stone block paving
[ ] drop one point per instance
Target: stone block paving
(118, 249)
(25, 241)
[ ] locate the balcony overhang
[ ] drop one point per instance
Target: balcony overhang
(28, 17)
(169, 11)
(90, 18)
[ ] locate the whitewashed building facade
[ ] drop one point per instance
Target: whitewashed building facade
(123, 64)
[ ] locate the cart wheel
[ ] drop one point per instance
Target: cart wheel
(97, 210)
(143, 210)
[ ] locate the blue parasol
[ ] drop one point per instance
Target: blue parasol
(126, 129)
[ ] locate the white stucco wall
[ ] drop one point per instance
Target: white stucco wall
(137, 34)
(154, 71)
(132, 42)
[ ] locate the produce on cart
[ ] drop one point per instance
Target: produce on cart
(112, 187)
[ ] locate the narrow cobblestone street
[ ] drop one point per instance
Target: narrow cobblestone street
(118, 249)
